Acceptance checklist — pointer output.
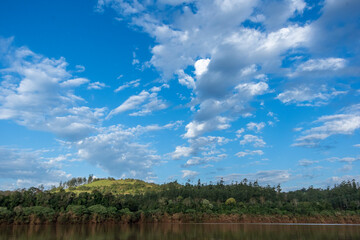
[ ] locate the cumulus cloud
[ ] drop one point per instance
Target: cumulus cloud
(201, 145)
(228, 58)
(28, 168)
(201, 150)
(195, 128)
(346, 122)
(38, 92)
(239, 132)
(253, 140)
(249, 153)
(185, 79)
(201, 66)
(120, 150)
(257, 127)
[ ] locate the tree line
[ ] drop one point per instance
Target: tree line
(60, 205)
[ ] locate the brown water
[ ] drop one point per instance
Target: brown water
(182, 231)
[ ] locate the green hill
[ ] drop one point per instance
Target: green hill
(121, 186)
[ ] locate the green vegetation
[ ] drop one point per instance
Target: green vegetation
(109, 185)
(129, 200)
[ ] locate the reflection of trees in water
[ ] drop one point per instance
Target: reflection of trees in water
(180, 231)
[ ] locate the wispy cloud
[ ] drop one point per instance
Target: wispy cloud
(188, 174)
(96, 85)
(346, 122)
(145, 102)
(249, 153)
(131, 84)
(271, 177)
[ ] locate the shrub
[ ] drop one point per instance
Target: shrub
(41, 213)
(98, 209)
(78, 210)
(4, 213)
(230, 201)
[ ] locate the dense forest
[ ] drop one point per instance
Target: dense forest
(82, 200)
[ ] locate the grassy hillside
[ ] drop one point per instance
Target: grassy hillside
(121, 186)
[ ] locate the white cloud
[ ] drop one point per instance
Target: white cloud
(345, 123)
(306, 163)
(214, 31)
(154, 104)
(74, 82)
(309, 96)
(202, 150)
(38, 92)
(348, 160)
(185, 79)
(96, 85)
(357, 145)
(252, 139)
(204, 145)
(133, 84)
(249, 153)
(119, 151)
(252, 89)
(195, 128)
(181, 151)
(174, 2)
(337, 29)
(284, 10)
(271, 177)
(79, 68)
(339, 179)
(239, 132)
(131, 103)
(159, 88)
(189, 174)
(194, 161)
(325, 64)
(208, 116)
(28, 168)
(201, 66)
(145, 101)
(257, 127)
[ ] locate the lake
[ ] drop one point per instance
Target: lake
(182, 231)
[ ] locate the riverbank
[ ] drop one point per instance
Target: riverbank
(185, 231)
(187, 218)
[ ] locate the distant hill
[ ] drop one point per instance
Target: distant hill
(121, 186)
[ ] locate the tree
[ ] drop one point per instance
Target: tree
(90, 178)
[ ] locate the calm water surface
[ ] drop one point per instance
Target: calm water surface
(182, 231)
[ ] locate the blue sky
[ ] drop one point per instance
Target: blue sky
(167, 90)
